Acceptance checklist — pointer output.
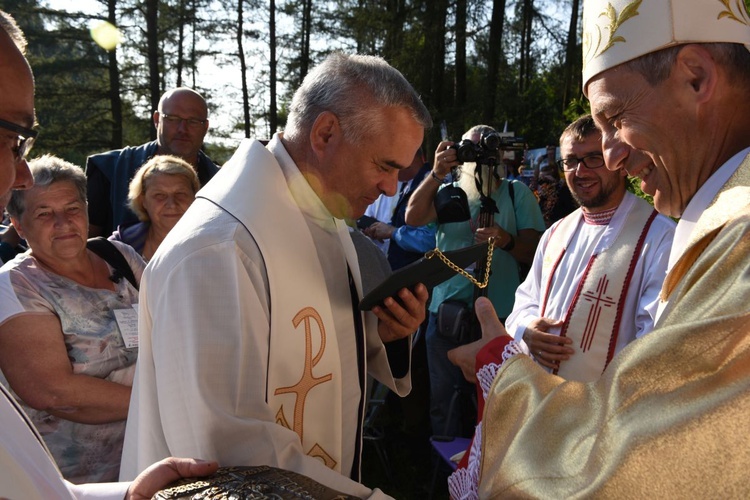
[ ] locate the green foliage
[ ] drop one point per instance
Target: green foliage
(634, 186)
(71, 102)
(75, 104)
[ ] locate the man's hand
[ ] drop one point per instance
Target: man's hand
(465, 356)
(399, 320)
(445, 159)
(379, 231)
(166, 471)
(548, 349)
(482, 234)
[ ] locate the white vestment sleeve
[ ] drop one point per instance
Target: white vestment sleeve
(527, 304)
(655, 260)
(201, 380)
(98, 491)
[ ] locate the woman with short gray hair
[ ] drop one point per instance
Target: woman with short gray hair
(67, 350)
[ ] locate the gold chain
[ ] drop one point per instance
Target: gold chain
(463, 272)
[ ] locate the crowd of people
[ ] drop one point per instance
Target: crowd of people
(152, 314)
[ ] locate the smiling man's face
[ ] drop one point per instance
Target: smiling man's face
(646, 131)
(594, 189)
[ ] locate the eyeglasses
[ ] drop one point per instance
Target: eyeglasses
(592, 161)
(24, 141)
(176, 120)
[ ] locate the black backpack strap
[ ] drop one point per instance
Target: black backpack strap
(109, 252)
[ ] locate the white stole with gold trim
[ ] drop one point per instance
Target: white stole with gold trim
(593, 317)
(304, 386)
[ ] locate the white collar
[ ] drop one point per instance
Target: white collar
(700, 202)
(308, 201)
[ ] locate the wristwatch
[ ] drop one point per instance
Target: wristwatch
(437, 179)
(511, 243)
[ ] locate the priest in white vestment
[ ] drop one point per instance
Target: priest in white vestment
(594, 285)
(668, 85)
(251, 352)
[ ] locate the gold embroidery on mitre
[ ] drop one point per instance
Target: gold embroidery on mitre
(741, 18)
(307, 380)
(317, 451)
(592, 45)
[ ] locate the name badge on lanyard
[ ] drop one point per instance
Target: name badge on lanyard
(127, 322)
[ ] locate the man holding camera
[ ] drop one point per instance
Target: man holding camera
(516, 226)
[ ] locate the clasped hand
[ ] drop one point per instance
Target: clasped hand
(483, 234)
(548, 349)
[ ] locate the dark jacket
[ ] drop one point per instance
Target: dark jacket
(108, 176)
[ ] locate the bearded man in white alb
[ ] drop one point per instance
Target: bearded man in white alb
(594, 285)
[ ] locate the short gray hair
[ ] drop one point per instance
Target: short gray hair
(47, 170)
(349, 86)
(656, 66)
(478, 129)
(160, 164)
(9, 25)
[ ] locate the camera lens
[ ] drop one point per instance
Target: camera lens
(491, 141)
(466, 152)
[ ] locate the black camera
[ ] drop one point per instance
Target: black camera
(487, 151)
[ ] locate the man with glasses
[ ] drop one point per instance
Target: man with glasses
(181, 124)
(594, 284)
(16, 109)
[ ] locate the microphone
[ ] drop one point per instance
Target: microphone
(116, 276)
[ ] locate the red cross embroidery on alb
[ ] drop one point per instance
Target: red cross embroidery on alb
(598, 299)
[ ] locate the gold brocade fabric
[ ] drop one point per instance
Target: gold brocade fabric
(669, 418)
(733, 196)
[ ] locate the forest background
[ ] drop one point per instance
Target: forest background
(496, 62)
(514, 63)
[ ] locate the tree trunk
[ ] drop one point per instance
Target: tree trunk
(571, 56)
(193, 43)
(460, 82)
(243, 67)
(494, 54)
(435, 49)
(152, 50)
(273, 117)
(114, 84)
(393, 42)
(180, 42)
(304, 63)
(524, 67)
(528, 25)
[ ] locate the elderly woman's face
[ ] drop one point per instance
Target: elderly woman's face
(54, 223)
(165, 199)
